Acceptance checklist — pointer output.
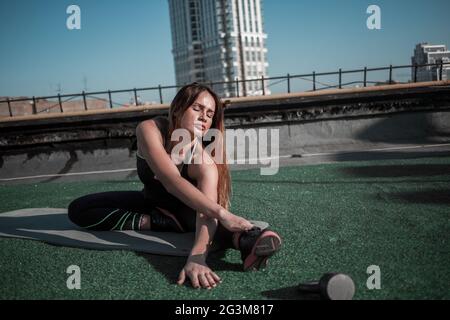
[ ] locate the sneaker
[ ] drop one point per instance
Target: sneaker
(257, 246)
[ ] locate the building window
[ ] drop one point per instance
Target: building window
(250, 15)
(256, 20)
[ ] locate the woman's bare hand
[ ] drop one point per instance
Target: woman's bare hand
(235, 223)
(199, 273)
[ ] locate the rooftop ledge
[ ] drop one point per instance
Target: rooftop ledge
(231, 101)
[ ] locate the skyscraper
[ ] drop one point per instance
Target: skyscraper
(219, 40)
(425, 53)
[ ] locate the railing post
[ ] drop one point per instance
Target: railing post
(439, 66)
(415, 72)
(262, 83)
(34, 105)
(365, 77)
(289, 83)
(84, 100)
(440, 70)
(9, 107)
(314, 81)
(60, 103)
(436, 65)
(135, 97)
(160, 94)
(390, 74)
(211, 85)
(110, 99)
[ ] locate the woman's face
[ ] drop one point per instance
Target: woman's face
(197, 118)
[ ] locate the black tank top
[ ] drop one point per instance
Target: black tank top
(153, 188)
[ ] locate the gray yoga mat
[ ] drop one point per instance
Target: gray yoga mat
(51, 225)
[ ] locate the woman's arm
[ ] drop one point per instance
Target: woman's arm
(207, 180)
(196, 269)
(150, 143)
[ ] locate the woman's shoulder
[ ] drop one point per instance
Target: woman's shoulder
(158, 123)
(161, 122)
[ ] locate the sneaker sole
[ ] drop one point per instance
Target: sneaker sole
(264, 248)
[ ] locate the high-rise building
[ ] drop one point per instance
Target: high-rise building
(425, 53)
(219, 41)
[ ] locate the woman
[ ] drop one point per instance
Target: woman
(182, 197)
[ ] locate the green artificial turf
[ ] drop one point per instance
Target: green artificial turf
(333, 217)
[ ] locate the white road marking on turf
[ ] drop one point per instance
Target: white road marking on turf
(110, 171)
(68, 174)
(261, 159)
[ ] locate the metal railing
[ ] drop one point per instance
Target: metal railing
(311, 77)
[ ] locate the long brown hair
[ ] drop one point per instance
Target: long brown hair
(185, 97)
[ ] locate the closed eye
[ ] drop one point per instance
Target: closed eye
(198, 108)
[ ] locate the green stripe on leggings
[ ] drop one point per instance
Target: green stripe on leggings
(124, 220)
(132, 223)
(96, 224)
(120, 220)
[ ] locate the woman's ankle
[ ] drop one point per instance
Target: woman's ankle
(235, 239)
(144, 222)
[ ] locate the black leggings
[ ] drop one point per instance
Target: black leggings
(123, 210)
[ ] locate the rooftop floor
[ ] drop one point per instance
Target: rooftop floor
(343, 216)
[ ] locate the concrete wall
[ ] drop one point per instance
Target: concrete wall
(423, 127)
(96, 141)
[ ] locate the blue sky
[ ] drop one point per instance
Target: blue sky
(126, 44)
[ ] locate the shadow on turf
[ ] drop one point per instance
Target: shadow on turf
(386, 155)
(375, 171)
(170, 266)
(394, 171)
(438, 196)
(318, 182)
(290, 293)
(431, 196)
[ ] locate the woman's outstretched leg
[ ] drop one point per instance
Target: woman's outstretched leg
(256, 245)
